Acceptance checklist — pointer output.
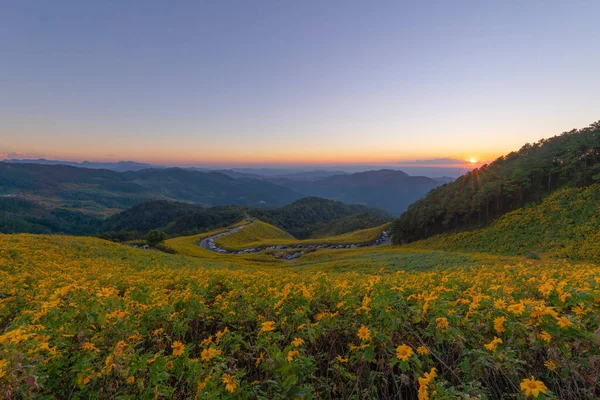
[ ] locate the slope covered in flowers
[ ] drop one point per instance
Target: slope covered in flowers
(84, 318)
(565, 224)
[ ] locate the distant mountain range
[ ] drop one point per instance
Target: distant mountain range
(99, 190)
(389, 190)
(121, 166)
(292, 172)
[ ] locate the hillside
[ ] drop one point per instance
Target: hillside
(96, 190)
(564, 224)
(301, 219)
(486, 193)
(19, 215)
(305, 216)
(346, 224)
(260, 235)
(389, 190)
(327, 327)
(255, 232)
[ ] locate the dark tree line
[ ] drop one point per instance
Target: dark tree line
(488, 192)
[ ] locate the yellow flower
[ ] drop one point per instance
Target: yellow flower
(364, 333)
(422, 350)
(230, 384)
(563, 322)
(545, 336)
(291, 355)
(551, 365)
(404, 352)
(106, 292)
(491, 346)
(268, 326)
(516, 309)
(131, 380)
(87, 346)
(209, 353)
(423, 394)
(220, 335)
(429, 376)
(260, 358)
(500, 304)
(499, 324)
(341, 359)
(532, 387)
(297, 342)
(442, 323)
(424, 382)
(3, 365)
(178, 348)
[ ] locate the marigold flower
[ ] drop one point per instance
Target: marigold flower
(297, 342)
(516, 309)
(545, 336)
(491, 346)
(563, 322)
(499, 324)
(208, 354)
(291, 355)
(442, 323)
(364, 333)
(178, 348)
(268, 326)
(422, 350)
(533, 387)
(230, 384)
(551, 365)
(3, 365)
(404, 352)
(341, 359)
(87, 346)
(260, 358)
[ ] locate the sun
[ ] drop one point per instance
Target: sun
(472, 160)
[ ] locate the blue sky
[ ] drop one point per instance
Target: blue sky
(272, 82)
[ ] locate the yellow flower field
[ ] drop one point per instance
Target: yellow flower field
(85, 318)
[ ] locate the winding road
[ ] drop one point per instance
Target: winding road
(209, 244)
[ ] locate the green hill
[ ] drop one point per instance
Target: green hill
(565, 224)
(261, 234)
(20, 215)
(257, 232)
(301, 219)
(486, 193)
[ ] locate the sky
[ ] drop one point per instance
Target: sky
(293, 82)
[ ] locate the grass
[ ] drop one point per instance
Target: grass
(261, 234)
(257, 232)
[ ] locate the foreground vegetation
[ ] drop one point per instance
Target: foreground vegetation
(86, 318)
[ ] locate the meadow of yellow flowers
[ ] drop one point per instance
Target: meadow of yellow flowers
(84, 318)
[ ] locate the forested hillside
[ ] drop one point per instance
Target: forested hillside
(306, 216)
(302, 218)
(486, 193)
(19, 215)
(102, 191)
(565, 224)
